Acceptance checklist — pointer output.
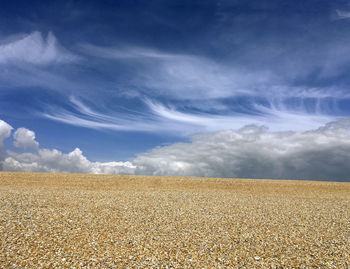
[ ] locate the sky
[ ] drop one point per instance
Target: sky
(252, 89)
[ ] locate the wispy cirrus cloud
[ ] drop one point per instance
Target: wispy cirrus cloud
(170, 79)
(122, 52)
(276, 119)
(197, 80)
(33, 60)
(197, 77)
(342, 14)
(84, 116)
(183, 76)
(163, 82)
(34, 49)
(162, 118)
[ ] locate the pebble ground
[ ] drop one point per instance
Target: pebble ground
(105, 221)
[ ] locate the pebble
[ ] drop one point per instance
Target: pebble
(109, 221)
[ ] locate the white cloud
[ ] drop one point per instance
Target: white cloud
(341, 14)
(46, 160)
(32, 60)
(124, 52)
(253, 152)
(185, 76)
(198, 78)
(165, 119)
(5, 132)
(276, 119)
(193, 79)
(134, 121)
(250, 152)
(25, 138)
(34, 49)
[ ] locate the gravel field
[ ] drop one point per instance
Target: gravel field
(105, 221)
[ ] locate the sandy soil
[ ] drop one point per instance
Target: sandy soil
(69, 220)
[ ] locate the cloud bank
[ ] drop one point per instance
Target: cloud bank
(249, 152)
(253, 152)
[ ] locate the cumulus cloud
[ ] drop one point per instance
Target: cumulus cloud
(250, 152)
(52, 160)
(24, 138)
(254, 152)
(5, 132)
(46, 160)
(33, 48)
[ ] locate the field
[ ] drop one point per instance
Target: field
(105, 221)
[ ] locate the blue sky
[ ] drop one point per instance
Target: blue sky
(117, 79)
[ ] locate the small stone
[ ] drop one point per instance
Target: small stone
(202, 223)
